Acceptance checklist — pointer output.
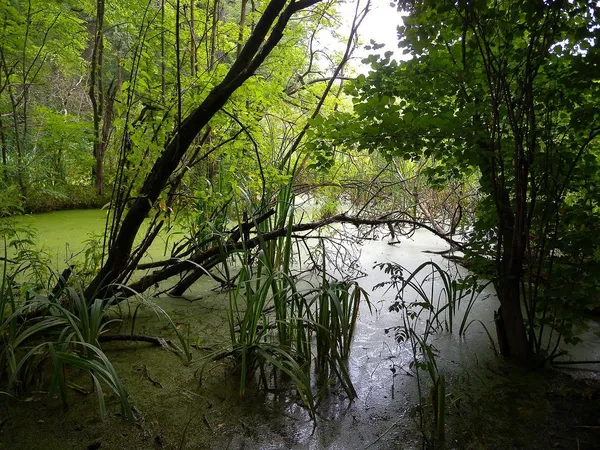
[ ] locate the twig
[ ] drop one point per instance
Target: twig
(385, 432)
(185, 430)
(62, 281)
(205, 420)
(167, 344)
(146, 375)
(78, 389)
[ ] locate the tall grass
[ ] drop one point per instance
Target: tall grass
(259, 340)
(456, 296)
(335, 314)
(277, 327)
(184, 341)
(47, 331)
(413, 314)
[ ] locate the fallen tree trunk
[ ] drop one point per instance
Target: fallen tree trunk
(210, 257)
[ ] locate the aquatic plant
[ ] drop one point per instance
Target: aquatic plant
(44, 333)
(425, 312)
(274, 325)
(28, 264)
(257, 340)
(334, 314)
(46, 329)
(427, 309)
(184, 341)
(59, 329)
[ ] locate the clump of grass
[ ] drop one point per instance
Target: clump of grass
(424, 354)
(335, 315)
(277, 328)
(49, 330)
(259, 341)
(46, 331)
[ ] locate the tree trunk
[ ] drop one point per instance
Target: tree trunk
(193, 45)
(213, 36)
(107, 122)
(512, 332)
(97, 98)
(211, 256)
(163, 67)
(242, 24)
(19, 146)
(510, 326)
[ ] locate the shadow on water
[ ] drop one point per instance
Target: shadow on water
(491, 404)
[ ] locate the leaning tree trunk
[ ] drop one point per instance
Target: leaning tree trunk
(200, 262)
(266, 35)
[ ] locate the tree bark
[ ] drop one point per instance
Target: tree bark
(213, 34)
(513, 331)
(19, 145)
(193, 45)
(510, 325)
(4, 152)
(163, 66)
(242, 24)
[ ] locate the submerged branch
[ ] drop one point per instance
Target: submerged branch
(167, 344)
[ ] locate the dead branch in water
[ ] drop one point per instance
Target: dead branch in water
(202, 261)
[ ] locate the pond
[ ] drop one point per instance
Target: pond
(491, 403)
(63, 235)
